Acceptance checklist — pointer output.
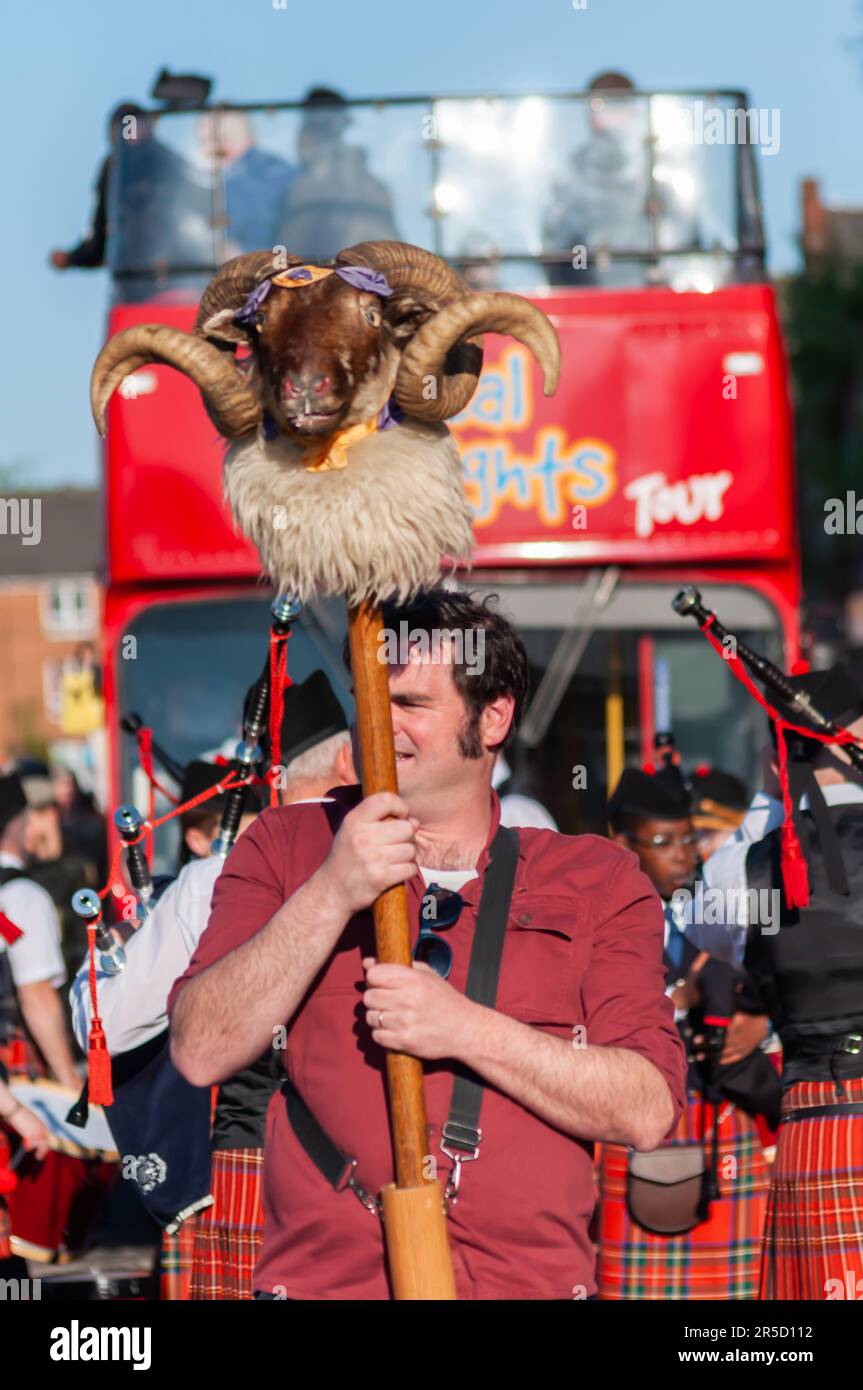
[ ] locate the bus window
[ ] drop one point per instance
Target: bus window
(196, 188)
(619, 191)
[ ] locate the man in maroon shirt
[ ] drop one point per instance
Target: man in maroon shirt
(580, 1045)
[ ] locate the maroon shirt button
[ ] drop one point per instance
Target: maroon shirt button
(525, 919)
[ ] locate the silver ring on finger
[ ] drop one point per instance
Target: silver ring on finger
(380, 1020)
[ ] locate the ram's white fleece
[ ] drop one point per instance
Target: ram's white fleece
(377, 528)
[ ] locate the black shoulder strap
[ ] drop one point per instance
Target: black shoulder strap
(461, 1132)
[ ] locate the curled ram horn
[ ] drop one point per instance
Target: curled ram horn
(432, 355)
(234, 408)
(446, 348)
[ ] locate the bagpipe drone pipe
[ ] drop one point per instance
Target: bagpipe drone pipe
(160, 1122)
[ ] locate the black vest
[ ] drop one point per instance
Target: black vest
(241, 1104)
(809, 972)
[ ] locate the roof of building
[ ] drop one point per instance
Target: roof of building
(44, 533)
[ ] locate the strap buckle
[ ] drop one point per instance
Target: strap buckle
(852, 1043)
(348, 1181)
(466, 1141)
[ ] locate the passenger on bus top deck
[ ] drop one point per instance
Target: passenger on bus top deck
(255, 181)
(335, 201)
(162, 215)
(603, 200)
(89, 254)
(607, 201)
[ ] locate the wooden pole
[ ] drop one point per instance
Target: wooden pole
(415, 1226)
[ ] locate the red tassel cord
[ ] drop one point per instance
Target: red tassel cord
(795, 875)
(144, 738)
(98, 1058)
(279, 682)
(8, 930)
(101, 1091)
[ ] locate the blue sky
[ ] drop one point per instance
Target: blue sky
(68, 63)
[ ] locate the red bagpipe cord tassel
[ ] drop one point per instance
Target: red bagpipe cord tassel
(279, 682)
(8, 930)
(795, 874)
(101, 1091)
(98, 1058)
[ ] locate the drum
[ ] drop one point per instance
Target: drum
(118, 1275)
(57, 1202)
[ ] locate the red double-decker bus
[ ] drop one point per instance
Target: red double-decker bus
(665, 457)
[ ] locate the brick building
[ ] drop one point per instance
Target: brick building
(51, 596)
(829, 234)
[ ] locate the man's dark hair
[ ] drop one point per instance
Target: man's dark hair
(504, 669)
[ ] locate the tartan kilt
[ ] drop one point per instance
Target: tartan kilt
(814, 1228)
(228, 1234)
(718, 1259)
(175, 1268)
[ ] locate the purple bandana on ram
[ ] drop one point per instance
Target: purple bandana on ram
(357, 275)
(364, 279)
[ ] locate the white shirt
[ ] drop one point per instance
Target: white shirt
(454, 879)
(517, 810)
(35, 956)
(133, 1004)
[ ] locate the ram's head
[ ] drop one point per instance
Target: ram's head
(330, 354)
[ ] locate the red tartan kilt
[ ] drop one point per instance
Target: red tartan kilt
(228, 1234)
(175, 1275)
(718, 1259)
(814, 1229)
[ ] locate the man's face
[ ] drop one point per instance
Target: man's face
(440, 761)
(667, 852)
(43, 836)
(14, 837)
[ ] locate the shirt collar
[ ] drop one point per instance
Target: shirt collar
(11, 861)
(837, 794)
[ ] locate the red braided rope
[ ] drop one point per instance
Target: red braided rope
(279, 682)
(144, 738)
(98, 1059)
(795, 875)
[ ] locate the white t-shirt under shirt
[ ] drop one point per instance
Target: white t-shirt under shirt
(454, 879)
(36, 955)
